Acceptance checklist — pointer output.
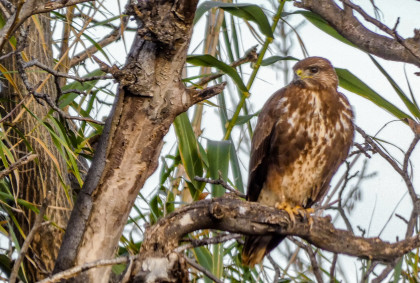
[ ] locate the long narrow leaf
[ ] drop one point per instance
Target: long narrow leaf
(210, 61)
(188, 148)
(410, 105)
(248, 12)
(352, 83)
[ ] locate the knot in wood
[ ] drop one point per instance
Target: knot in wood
(216, 211)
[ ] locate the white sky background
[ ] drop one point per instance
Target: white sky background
(381, 194)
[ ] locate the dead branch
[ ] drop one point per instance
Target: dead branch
(63, 75)
(21, 161)
(72, 272)
(343, 20)
(202, 269)
(25, 9)
(222, 183)
(44, 96)
(28, 240)
(108, 39)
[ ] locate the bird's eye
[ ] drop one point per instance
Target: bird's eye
(314, 70)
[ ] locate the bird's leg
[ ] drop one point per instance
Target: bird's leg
(296, 210)
(290, 210)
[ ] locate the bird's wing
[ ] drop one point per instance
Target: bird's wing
(260, 148)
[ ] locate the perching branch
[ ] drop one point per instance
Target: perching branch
(250, 218)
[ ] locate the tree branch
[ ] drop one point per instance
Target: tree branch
(403, 50)
(250, 218)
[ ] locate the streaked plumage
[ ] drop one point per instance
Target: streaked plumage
(303, 134)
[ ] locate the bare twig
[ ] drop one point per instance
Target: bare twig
(208, 241)
(383, 274)
(64, 75)
(380, 25)
(222, 183)
(210, 275)
(276, 268)
(32, 90)
(21, 161)
(28, 240)
(394, 165)
(14, 109)
(332, 268)
(409, 151)
(314, 263)
(72, 272)
(108, 39)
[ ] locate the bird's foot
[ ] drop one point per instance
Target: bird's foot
(296, 210)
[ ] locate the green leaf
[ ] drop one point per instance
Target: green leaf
(204, 258)
(218, 155)
(352, 83)
(188, 149)
(274, 59)
(397, 271)
(67, 98)
(243, 119)
(248, 12)
(410, 105)
(210, 61)
(320, 23)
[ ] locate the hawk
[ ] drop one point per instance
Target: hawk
(303, 134)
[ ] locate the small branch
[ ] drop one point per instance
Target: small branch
(332, 268)
(72, 272)
(210, 275)
(32, 90)
(208, 241)
(383, 274)
(108, 39)
(409, 151)
(394, 165)
(381, 26)
(222, 183)
(63, 75)
(28, 240)
(21, 161)
(276, 268)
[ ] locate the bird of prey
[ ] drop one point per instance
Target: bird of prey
(303, 134)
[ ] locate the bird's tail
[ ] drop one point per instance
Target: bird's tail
(256, 247)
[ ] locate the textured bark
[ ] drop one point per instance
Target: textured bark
(37, 178)
(151, 95)
(250, 218)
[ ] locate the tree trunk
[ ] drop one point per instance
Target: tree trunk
(35, 179)
(151, 95)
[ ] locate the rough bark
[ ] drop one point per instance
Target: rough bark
(35, 179)
(151, 95)
(158, 251)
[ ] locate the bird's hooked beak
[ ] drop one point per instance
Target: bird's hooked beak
(300, 75)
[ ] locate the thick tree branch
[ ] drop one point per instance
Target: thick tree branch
(238, 216)
(343, 20)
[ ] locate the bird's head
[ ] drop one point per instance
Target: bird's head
(315, 72)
